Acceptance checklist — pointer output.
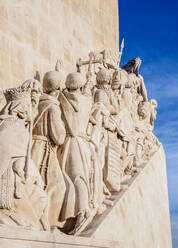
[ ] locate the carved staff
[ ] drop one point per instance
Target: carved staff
(121, 51)
(91, 55)
(28, 157)
(104, 58)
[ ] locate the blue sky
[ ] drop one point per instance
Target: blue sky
(150, 29)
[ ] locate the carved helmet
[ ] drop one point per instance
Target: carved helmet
(103, 76)
(75, 81)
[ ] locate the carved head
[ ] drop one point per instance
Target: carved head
(52, 81)
(75, 81)
(35, 88)
(18, 102)
(154, 103)
(103, 77)
(119, 78)
(133, 66)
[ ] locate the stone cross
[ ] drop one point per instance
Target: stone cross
(89, 62)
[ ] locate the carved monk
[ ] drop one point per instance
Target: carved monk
(76, 158)
(48, 134)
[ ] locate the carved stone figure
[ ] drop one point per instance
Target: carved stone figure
(78, 160)
(98, 135)
(148, 143)
(48, 134)
(104, 97)
(20, 183)
(122, 89)
(132, 67)
(120, 81)
(35, 88)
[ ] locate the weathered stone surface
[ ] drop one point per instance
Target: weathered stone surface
(15, 238)
(68, 155)
(33, 34)
(140, 215)
(125, 225)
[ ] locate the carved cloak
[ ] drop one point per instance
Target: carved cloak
(24, 211)
(14, 140)
(49, 132)
(75, 154)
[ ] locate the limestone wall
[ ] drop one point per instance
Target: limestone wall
(34, 33)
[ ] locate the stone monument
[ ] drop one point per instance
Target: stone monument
(80, 164)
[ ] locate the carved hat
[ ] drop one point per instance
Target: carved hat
(16, 94)
(103, 76)
(75, 81)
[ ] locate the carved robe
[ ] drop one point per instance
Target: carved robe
(14, 140)
(139, 85)
(48, 133)
(77, 160)
(13, 150)
(111, 149)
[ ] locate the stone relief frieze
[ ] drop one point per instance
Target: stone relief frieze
(65, 152)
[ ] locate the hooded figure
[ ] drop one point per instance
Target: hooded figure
(78, 159)
(48, 134)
